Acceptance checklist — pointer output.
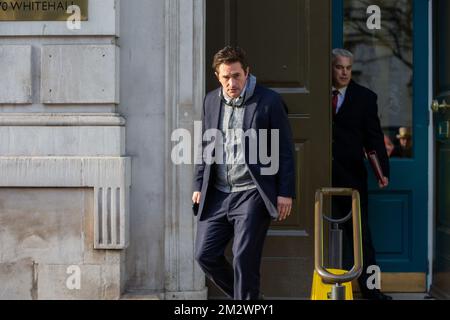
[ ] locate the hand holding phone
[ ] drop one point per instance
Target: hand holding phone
(195, 208)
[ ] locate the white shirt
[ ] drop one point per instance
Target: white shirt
(341, 97)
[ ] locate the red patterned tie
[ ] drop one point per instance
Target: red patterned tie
(335, 101)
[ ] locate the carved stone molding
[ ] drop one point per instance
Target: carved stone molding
(109, 176)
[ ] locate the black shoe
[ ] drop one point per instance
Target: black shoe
(375, 295)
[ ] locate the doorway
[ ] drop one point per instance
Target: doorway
(288, 48)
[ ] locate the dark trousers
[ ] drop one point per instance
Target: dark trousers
(341, 207)
(244, 216)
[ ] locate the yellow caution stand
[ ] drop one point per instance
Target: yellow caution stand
(332, 283)
(323, 291)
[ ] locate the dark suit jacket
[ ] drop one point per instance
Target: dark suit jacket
(357, 127)
(264, 110)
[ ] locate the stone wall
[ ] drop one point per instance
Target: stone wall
(43, 234)
(64, 172)
(77, 108)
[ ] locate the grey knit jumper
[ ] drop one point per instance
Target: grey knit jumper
(233, 175)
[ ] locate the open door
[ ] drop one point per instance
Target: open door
(441, 110)
(393, 62)
(288, 45)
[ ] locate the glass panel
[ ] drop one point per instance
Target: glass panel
(384, 63)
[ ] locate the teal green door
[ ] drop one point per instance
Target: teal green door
(393, 62)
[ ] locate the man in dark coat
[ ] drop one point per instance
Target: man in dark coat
(239, 193)
(356, 130)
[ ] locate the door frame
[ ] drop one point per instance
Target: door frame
(431, 149)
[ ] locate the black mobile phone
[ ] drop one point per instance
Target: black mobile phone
(195, 208)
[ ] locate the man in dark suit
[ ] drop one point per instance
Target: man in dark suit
(239, 193)
(356, 130)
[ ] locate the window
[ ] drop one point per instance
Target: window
(384, 63)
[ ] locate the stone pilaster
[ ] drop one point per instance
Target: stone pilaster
(184, 92)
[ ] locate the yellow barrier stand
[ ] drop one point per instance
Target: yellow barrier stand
(335, 284)
(323, 291)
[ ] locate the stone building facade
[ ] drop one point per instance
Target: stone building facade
(91, 206)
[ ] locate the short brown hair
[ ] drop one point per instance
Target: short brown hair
(230, 55)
